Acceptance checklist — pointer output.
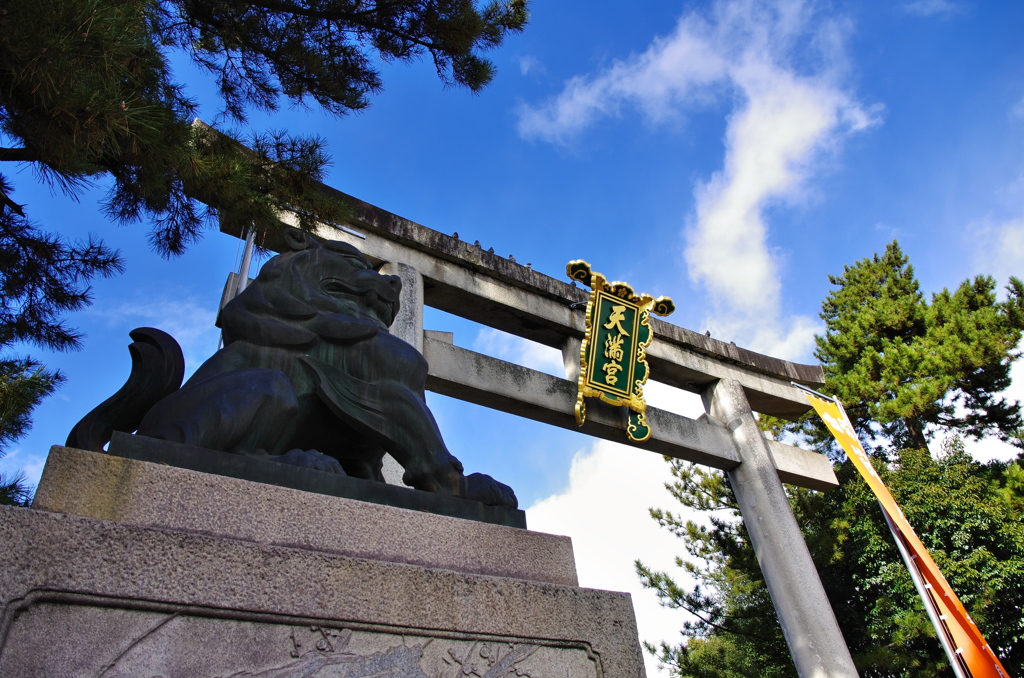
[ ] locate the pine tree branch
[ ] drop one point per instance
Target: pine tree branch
(357, 22)
(722, 626)
(299, 10)
(18, 155)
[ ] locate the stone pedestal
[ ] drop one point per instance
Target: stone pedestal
(129, 568)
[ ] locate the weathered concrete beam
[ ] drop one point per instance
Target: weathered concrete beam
(489, 300)
(801, 467)
(689, 370)
(373, 219)
(527, 313)
(483, 293)
(500, 385)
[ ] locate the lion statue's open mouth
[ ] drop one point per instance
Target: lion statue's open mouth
(379, 300)
(309, 375)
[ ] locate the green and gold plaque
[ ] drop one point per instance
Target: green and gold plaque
(613, 358)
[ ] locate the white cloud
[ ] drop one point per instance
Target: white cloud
(785, 119)
(530, 64)
(999, 252)
(604, 510)
(999, 248)
(789, 338)
(189, 321)
(991, 447)
(672, 399)
(771, 143)
(932, 7)
(513, 349)
(672, 70)
(19, 461)
(1017, 110)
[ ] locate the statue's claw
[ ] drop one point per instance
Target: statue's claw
(313, 459)
(487, 490)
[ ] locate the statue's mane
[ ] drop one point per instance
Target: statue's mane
(285, 307)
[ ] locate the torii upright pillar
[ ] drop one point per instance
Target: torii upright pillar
(808, 623)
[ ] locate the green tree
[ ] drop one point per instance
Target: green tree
(907, 371)
(967, 514)
(731, 631)
(86, 92)
(906, 368)
(41, 278)
(23, 383)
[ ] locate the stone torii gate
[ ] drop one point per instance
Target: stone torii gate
(443, 272)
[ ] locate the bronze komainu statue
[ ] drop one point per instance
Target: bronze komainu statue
(309, 375)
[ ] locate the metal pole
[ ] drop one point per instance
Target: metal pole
(924, 591)
(813, 392)
(243, 271)
(243, 276)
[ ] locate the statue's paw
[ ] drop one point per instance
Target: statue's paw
(486, 489)
(317, 461)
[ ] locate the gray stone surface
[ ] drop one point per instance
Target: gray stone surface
(805, 468)
(407, 326)
(467, 281)
(443, 337)
(408, 323)
(106, 487)
(808, 623)
(392, 471)
(461, 373)
(119, 600)
(385, 225)
(164, 642)
(262, 470)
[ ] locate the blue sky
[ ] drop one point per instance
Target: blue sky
(752, 148)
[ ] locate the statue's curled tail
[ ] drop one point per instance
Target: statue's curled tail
(157, 370)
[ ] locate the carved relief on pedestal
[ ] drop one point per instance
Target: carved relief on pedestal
(119, 642)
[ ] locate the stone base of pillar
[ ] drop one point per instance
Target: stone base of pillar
(145, 572)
